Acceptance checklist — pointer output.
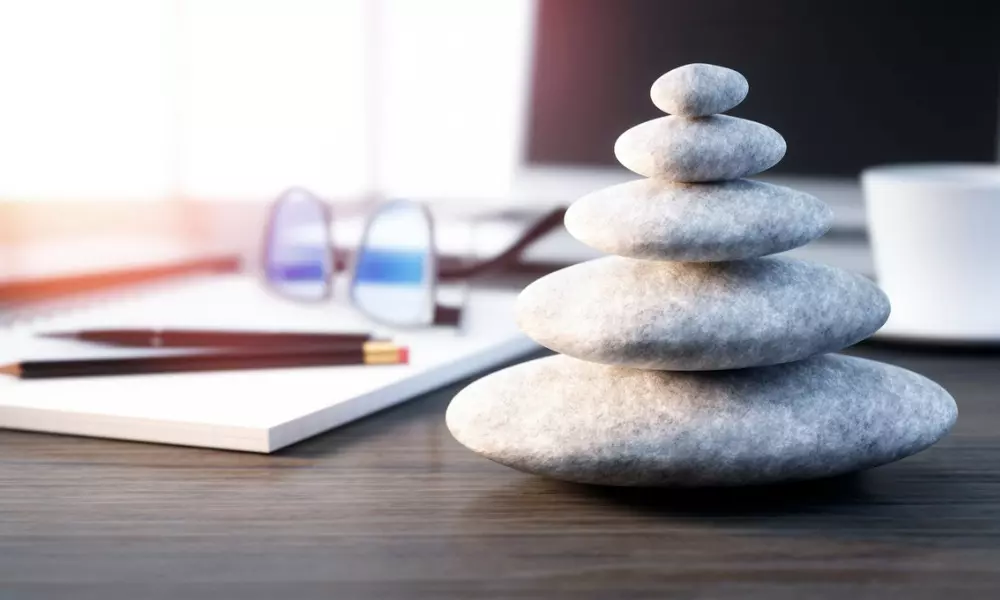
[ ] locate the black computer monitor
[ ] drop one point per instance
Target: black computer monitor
(849, 83)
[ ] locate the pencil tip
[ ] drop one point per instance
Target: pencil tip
(62, 335)
(13, 370)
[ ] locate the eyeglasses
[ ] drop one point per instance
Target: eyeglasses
(396, 269)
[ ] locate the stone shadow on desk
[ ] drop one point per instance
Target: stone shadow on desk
(782, 499)
(920, 500)
(681, 503)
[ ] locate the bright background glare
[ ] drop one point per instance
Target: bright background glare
(239, 99)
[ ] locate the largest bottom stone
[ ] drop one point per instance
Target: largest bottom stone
(578, 421)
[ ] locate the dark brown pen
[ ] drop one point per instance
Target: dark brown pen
(191, 338)
(367, 353)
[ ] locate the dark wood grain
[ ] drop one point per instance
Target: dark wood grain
(392, 507)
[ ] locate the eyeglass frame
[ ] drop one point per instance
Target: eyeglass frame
(442, 315)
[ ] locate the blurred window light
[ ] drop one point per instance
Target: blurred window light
(239, 99)
(454, 88)
(84, 105)
(271, 94)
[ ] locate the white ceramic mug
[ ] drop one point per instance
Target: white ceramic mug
(935, 235)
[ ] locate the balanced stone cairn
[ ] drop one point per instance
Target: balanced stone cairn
(692, 358)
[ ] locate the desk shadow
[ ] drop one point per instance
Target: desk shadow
(815, 496)
(418, 420)
(918, 501)
(749, 501)
(395, 423)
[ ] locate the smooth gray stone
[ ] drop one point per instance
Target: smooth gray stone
(699, 316)
(714, 148)
(578, 421)
(699, 90)
(661, 220)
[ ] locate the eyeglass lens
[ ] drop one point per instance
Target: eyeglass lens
(297, 256)
(394, 272)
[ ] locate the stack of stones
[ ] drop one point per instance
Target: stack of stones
(691, 357)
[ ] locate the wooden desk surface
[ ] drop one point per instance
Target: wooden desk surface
(392, 507)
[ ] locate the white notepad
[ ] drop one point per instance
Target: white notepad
(255, 411)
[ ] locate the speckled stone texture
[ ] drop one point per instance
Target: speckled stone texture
(699, 316)
(699, 90)
(661, 220)
(693, 358)
(589, 423)
(714, 148)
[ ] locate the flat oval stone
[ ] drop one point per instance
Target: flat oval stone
(589, 423)
(699, 90)
(699, 316)
(714, 148)
(661, 220)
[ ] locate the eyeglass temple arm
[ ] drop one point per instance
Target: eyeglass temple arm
(447, 315)
(509, 257)
(512, 254)
(452, 315)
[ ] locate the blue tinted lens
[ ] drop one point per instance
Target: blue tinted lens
(298, 261)
(390, 266)
(305, 268)
(393, 271)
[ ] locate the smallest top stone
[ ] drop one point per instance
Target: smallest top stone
(699, 90)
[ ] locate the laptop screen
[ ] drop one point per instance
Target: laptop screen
(848, 84)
